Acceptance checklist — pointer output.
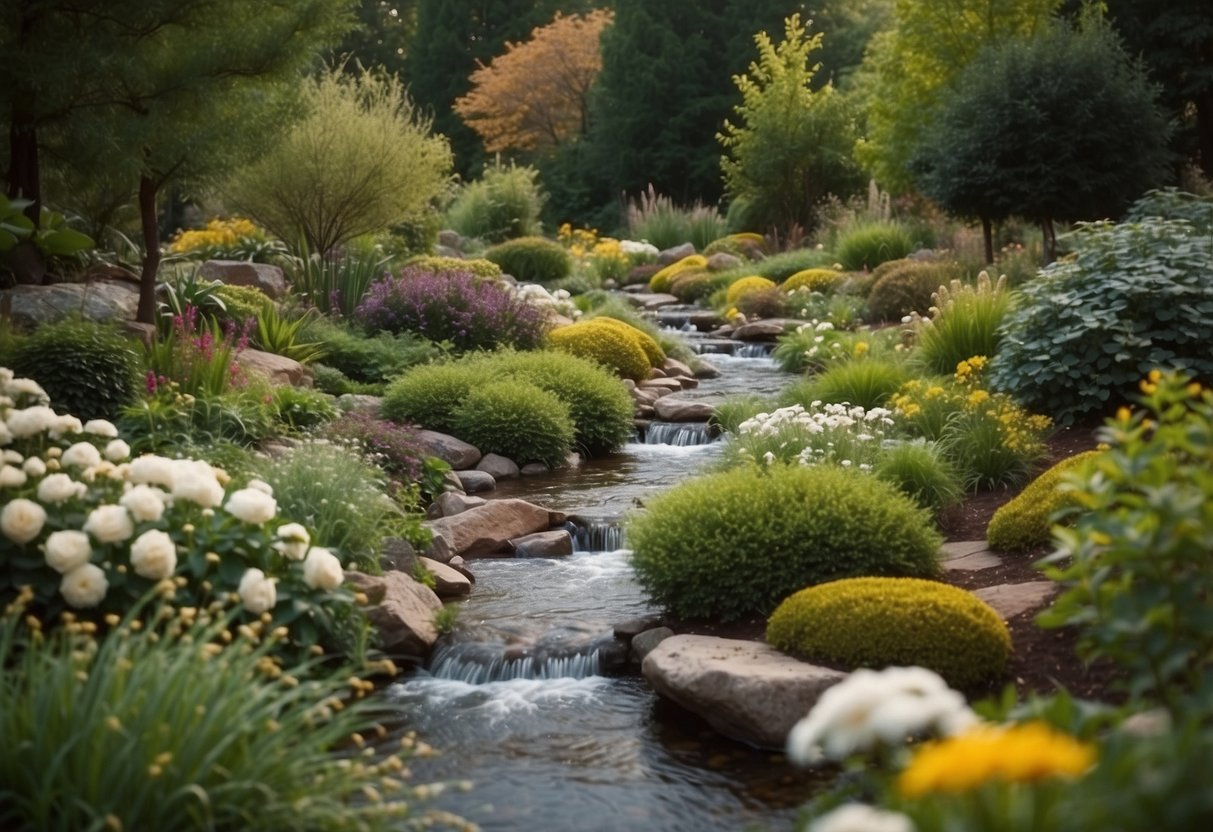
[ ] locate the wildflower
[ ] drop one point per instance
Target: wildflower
(22, 520)
(85, 586)
(65, 550)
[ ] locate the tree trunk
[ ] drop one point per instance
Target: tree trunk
(987, 237)
(148, 188)
(1049, 248)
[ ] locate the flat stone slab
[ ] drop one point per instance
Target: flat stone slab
(1009, 600)
(682, 410)
(968, 555)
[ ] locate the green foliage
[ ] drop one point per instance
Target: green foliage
(239, 303)
(532, 260)
(780, 267)
(735, 544)
(655, 219)
(763, 303)
(301, 409)
(517, 420)
(909, 288)
(477, 266)
(616, 348)
(662, 280)
(752, 283)
(964, 322)
(791, 145)
(1134, 296)
(51, 236)
(1134, 569)
(866, 382)
(503, 204)
(182, 291)
(335, 283)
(866, 246)
(168, 420)
(814, 279)
(360, 159)
(820, 434)
(88, 369)
(891, 622)
(1026, 520)
(428, 395)
(282, 334)
(921, 472)
(734, 410)
(366, 358)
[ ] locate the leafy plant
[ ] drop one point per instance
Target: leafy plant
(504, 203)
(393, 447)
(532, 260)
(281, 334)
(517, 420)
(337, 282)
(239, 304)
(200, 363)
(428, 395)
(921, 472)
(235, 238)
(301, 409)
(189, 290)
(833, 434)
(51, 236)
(374, 358)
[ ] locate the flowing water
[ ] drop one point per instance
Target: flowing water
(527, 700)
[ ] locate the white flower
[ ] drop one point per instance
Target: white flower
(859, 817)
(63, 425)
(293, 541)
(262, 486)
(34, 466)
(195, 480)
(66, 550)
(322, 570)
(153, 470)
(251, 506)
(154, 555)
(26, 387)
(12, 457)
(101, 427)
(59, 488)
(6, 435)
(257, 592)
(84, 586)
(21, 520)
(82, 455)
(768, 458)
(116, 450)
(145, 503)
(109, 524)
(30, 421)
(11, 477)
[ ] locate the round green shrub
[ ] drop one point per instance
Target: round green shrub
(1024, 522)
(763, 303)
(735, 544)
(532, 260)
(908, 288)
(867, 246)
(690, 286)
(504, 203)
(660, 282)
(779, 267)
(517, 420)
(88, 369)
(610, 346)
(302, 409)
(751, 283)
(882, 622)
(428, 395)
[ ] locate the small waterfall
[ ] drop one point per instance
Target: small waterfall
(679, 434)
(597, 534)
(753, 350)
(477, 662)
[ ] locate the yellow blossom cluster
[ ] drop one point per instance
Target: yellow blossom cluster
(218, 233)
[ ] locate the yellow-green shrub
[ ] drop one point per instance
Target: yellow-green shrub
(1023, 522)
(745, 285)
(652, 350)
(690, 286)
(477, 266)
(609, 345)
(815, 280)
(883, 622)
(660, 282)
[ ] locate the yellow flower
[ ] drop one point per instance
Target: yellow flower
(977, 398)
(1154, 376)
(860, 349)
(1018, 753)
(1123, 414)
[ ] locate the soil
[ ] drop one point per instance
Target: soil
(1043, 661)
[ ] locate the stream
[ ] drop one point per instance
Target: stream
(517, 703)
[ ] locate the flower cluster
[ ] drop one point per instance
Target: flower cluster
(822, 433)
(558, 301)
(236, 239)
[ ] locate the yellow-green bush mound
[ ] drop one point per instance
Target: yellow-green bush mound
(660, 282)
(886, 622)
(652, 350)
(477, 266)
(612, 346)
(753, 283)
(815, 280)
(1024, 522)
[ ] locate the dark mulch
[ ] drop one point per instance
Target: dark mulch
(1044, 661)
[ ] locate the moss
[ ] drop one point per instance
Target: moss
(517, 420)
(752, 283)
(881, 622)
(609, 345)
(1024, 522)
(815, 280)
(660, 282)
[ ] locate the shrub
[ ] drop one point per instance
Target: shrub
(657, 220)
(611, 346)
(746, 245)
(1134, 297)
(921, 472)
(763, 303)
(477, 266)
(753, 283)
(882, 622)
(428, 395)
(363, 358)
(735, 544)
(459, 308)
(86, 368)
(908, 288)
(815, 280)
(335, 283)
(660, 282)
(814, 345)
(866, 382)
(504, 203)
(168, 421)
(517, 420)
(866, 246)
(690, 286)
(964, 322)
(236, 238)
(819, 434)
(652, 350)
(240, 303)
(1024, 522)
(731, 412)
(532, 260)
(392, 446)
(302, 409)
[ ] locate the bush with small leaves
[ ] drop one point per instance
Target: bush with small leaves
(516, 420)
(735, 544)
(477, 266)
(763, 303)
(1026, 520)
(882, 622)
(652, 350)
(660, 282)
(751, 283)
(532, 260)
(908, 288)
(921, 472)
(815, 280)
(609, 345)
(428, 395)
(240, 303)
(369, 359)
(302, 409)
(504, 203)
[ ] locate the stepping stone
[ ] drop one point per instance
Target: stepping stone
(1009, 600)
(968, 555)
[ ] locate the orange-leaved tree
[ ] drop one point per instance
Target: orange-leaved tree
(534, 96)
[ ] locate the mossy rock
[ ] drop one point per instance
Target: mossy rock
(815, 280)
(609, 345)
(515, 419)
(660, 282)
(1024, 522)
(885, 622)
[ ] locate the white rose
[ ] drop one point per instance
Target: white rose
(154, 555)
(81, 455)
(146, 504)
(101, 427)
(6, 378)
(26, 387)
(322, 570)
(59, 488)
(84, 586)
(34, 466)
(109, 524)
(6, 435)
(21, 520)
(67, 550)
(293, 541)
(261, 485)
(11, 477)
(30, 421)
(63, 425)
(116, 450)
(251, 506)
(153, 470)
(195, 481)
(257, 592)
(12, 457)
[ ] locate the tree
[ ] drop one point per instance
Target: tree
(536, 94)
(1062, 126)
(360, 160)
(792, 145)
(382, 39)
(848, 26)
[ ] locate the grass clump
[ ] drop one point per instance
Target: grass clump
(964, 322)
(865, 246)
(866, 382)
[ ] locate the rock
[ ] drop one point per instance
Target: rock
(968, 555)
(651, 301)
(722, 261)
(765, 330)
(671, 385)
(403, 614)
(356, 403)
(706, 369)
(269, 279)
(448, 582)
(550, 544)
(489, 528)
(646, 397)
(673, 409)
(654, 373)
(633, 627)
(450, 482)
(460, 565)
(451, 503)
(638, 277)
(398, 555)
(674, 367)
(646, 642)
(498, 466)
(746, 690)
(102, 300)
(673, 255)
(447, 251)
(1009, 600)
(534, 468)
(454, 452)
(450, 238)
(278, 369)
(476, 481)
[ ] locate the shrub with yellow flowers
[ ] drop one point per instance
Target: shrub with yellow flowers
(235, 238)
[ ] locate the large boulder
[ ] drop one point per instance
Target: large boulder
(555, 543)
(746, 690)
(99, 300)
(476, 481)
(498, 467)
(488, 529)
(672, 409)
(452, 502)
(269, 279)
(448, 582)
(402, 609)
(767, 329)
(454, 452)
(277, 369)
(673, 255)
